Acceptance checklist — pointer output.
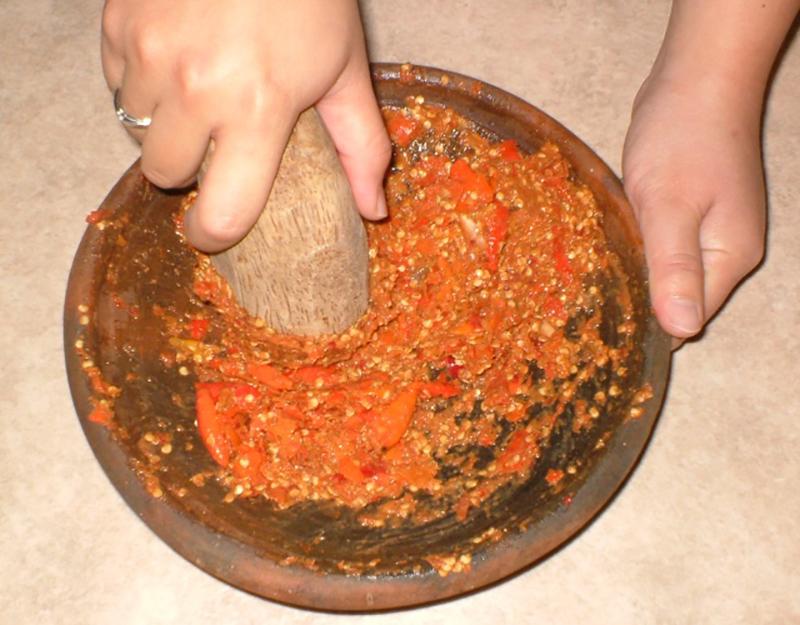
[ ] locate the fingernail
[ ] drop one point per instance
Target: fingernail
(381, 211)
(685, 315)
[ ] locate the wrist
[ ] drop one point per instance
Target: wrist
(709, 85)
(716, 49)
(687, 60)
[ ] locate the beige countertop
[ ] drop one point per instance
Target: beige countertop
(706, 531)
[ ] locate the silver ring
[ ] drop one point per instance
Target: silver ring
(127, 119)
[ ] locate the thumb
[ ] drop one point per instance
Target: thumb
(351, 114)
(671, 232)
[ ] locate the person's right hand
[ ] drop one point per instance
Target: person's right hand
(240, 73)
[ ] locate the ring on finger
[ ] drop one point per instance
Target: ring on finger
(125, 118)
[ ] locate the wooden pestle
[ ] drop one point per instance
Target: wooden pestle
(303, 267)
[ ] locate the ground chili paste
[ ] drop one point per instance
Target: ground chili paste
(483, 322)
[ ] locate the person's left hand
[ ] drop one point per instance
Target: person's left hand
(693, 173)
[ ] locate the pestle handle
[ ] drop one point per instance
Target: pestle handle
(303, 267)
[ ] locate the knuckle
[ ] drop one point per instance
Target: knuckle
(260, 98)
(640, 192)
(193, 77)
(652, 194)
(112, 20)
(688, 263)
(678, 263)
(632, 183)
(204, 81)
(149, 46)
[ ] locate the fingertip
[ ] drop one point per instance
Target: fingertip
(374, 209)
(677, 290)
(211, 231)
(381, 210)
(365, 163)
(218, 220)
(671, 233)
(355, 123)
(366, 182)
(680, 316)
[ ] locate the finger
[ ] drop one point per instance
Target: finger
(671, 233)
(732, 248)
(352, 117)
(173, 146)
(236, 186)
(137, 95)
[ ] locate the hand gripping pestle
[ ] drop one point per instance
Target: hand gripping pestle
(303, 267)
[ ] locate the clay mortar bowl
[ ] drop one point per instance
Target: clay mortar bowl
(319, 556)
